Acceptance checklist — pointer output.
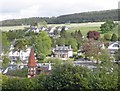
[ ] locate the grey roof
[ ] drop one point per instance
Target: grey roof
(118, 42)
(63, 48)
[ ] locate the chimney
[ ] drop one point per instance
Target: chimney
(56, 46)
(70, 47)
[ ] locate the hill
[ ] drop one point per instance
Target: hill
(94, 16)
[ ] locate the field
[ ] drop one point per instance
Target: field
(83, 27)
(7, 28)
(84, 30)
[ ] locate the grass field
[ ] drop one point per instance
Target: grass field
(7, 28)
(84, 30)
(83, 27)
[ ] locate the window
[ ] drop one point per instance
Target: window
(116, 45)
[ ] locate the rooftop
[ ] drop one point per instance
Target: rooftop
(31, 60)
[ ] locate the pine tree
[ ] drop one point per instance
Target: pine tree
(114, 37)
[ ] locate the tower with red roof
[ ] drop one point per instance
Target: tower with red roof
(31, 65)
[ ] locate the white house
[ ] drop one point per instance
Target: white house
(35, 30)
(22, 55)
(62, 51)
(114, 46)
(66, 28)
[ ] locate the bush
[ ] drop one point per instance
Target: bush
(18, 73)
(41, 57)
(107, 37)
(23, 84)
(56, 60)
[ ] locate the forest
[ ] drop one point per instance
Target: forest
(94, 16)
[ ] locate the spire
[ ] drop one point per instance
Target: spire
(31, 60)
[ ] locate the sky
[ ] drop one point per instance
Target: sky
(15, 9)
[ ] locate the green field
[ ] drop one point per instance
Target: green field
(86, 27)
(83, 27)
(84, 30)
(7, 28)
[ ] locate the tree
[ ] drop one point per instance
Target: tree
(107, 26)
(107, 37)
(5, 41)
(34, 24)
(104, 55)
(4, 81)
(117, 55)
(67, 76)
(73, 43)
(114, 37)
(63, 33)
(61, 41)
(67, 41)
(106, 76)
(93, 34)
(92, 49)
(23, 84)
(78, 36)
(20, 44)
(5, 62)
(11, 35)
(42, 44)
(42, 23)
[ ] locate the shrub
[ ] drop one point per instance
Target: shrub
(107, 37)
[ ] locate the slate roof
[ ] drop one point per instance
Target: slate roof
(62, 48)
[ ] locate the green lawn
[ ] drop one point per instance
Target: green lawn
(84, 30)
(85, 27)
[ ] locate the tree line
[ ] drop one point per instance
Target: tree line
(95, 16)
(68, 77)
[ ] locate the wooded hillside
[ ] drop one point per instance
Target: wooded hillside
(94, 16)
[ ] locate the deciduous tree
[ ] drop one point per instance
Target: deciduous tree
(93, 35)
(42, 44)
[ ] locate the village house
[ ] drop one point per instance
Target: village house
(22, 55)
(114, 46)
(62, 51)
(34, 29)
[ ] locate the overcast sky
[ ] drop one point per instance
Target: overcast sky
(12, 9)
